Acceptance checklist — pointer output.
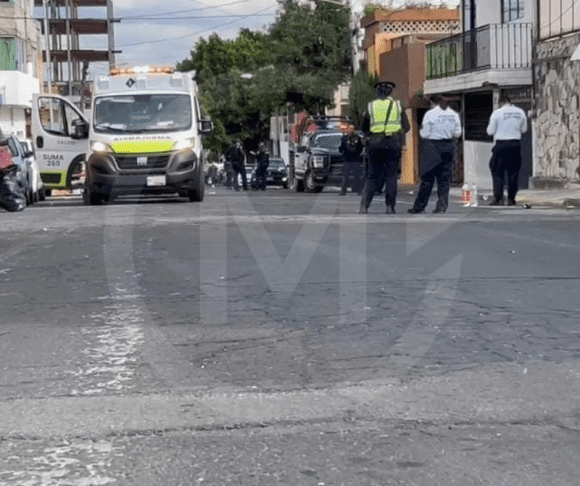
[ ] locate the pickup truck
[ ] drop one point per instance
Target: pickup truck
(317, 161)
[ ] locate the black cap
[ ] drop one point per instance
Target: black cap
(385, 84)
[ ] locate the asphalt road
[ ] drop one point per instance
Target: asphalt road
(282, 338)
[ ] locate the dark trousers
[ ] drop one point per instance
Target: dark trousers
(441, 172)
(261, 175)
(240, 169)
(383, 167)
(506, 158)
(351, 176)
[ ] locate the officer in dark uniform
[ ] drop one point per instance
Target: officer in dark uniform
(262, 163)
(235, 155)
(351, 148)
(384, 123)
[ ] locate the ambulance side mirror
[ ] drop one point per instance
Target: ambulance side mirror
(80, 129)
(206, 126)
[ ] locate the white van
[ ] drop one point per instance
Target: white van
(143, 136)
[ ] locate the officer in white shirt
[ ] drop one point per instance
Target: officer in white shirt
(439, 129)
(507, 124)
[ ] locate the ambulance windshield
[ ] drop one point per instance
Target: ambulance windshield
(142, 113)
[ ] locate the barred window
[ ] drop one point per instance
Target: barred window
(512, 10)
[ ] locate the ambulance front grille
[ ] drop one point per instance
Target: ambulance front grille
(145, 162)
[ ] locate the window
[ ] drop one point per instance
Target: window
(512, 10)
(478, 109)
(11, 54)
(56, 116)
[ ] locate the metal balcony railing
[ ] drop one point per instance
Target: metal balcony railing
(493, 46)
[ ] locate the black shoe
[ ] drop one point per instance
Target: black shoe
(363, 210)
(341, 193)
(438, 211)
(496, 202)
(511, 202)
(391, 210)
(415, 211)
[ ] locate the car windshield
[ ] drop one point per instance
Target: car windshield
(327, 140)
(142, 113)
(276, 164)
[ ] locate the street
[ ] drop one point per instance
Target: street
(266, 338)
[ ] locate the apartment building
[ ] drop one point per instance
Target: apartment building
(492, 55)
(21, 67)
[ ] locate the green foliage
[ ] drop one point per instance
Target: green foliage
(361, 93)
(306, 51)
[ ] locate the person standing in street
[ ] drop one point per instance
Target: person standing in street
(506, 125)
(262, 163)
(383, 123)
(440, 128)
(351, 148)
(235, 155)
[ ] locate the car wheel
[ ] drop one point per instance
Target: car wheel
(91, 198)
(310, 184)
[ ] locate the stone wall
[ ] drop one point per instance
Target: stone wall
(557, 123)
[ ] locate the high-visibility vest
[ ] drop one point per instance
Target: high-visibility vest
(378, 112)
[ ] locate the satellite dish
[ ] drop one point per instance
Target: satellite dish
(576, 55)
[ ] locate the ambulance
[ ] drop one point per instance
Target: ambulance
(143, 136)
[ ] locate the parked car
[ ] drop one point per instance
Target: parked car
(250, 176)
(277, 173)
(35, 188)
(18, 159)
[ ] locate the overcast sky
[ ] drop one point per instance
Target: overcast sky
(163, 32)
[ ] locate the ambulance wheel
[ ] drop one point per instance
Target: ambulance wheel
(196, 194)
(90, 198)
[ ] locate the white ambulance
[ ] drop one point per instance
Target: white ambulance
(143, 136)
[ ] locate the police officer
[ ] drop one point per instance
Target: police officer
(384, 123)
(236, 156)
(262, 163)
(440, 126)
(351, 148)
(506, 125)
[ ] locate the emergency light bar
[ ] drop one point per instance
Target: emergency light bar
(141, 70)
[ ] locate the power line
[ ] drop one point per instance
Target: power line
(194, 33)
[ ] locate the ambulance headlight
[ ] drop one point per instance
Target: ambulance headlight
(186, 143)
(100, 147)
(318, 161)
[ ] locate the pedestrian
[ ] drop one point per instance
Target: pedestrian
(506, 125)
(351, 148)
(439, 129)
(262, 163)
(384, 123)
(236, 156)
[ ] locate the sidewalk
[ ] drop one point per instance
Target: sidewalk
(568, 197)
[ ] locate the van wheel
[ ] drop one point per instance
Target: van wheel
(90, 198)
(196, 194)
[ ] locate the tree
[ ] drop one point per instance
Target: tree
(361, 93)
(306, 50)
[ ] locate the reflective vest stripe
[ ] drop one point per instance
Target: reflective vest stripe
(378, 110)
